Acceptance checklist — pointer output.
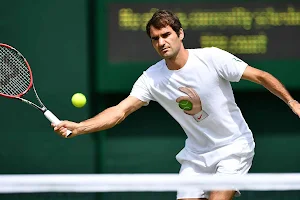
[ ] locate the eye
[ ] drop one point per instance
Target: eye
(165, 35)
(154, 38)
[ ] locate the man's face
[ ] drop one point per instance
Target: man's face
(165, 41)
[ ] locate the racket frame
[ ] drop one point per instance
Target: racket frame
(47, 113)
(29, 69)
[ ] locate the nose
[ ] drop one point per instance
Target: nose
(161, 41)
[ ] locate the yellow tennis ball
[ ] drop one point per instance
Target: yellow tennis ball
(78, 100)
(185, 105)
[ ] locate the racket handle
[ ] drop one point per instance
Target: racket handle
(52, 118)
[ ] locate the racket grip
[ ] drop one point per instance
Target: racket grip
(52, 118)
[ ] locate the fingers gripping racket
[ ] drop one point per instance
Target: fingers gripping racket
(16, 80)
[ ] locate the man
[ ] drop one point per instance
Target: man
(219, 140)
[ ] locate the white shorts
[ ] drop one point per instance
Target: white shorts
(232, 159)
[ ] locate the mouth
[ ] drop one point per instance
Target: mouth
(164, 50)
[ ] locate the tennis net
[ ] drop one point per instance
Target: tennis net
(80, 184)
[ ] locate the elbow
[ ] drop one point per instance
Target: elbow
(120, 115)
(263, 77)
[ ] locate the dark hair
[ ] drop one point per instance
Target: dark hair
(163, 18)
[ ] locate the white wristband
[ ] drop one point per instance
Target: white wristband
(200, 116)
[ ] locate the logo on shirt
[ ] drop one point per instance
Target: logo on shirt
(192, 97)
(236, 59)
(199, 117)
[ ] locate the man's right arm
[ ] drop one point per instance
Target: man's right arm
(104, 120)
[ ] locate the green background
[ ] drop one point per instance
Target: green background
(128, 72)
(53, 36)
(65, 44)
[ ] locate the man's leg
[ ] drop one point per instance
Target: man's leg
(216, 195)
(189, 169)
(221, 195)
(236, 164)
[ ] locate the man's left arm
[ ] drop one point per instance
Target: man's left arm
(273, 85)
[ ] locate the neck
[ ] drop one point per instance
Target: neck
(178, 61)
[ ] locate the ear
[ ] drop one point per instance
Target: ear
(181, 34)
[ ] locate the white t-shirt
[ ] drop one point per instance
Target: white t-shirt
(208, 71)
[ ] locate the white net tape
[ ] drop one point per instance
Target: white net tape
(145, 182)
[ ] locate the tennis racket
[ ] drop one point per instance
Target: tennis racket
(16, 80)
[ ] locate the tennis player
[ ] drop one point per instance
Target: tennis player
(219, 140)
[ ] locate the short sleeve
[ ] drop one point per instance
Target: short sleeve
(140, 89)
(227, 65)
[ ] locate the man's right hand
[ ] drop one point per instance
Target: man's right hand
(62, 128)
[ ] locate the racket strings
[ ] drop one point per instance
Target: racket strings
(13, 87)
(15, 77)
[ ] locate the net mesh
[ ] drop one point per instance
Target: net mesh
(14, 73)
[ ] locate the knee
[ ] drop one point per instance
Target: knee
(194, 199)
(221, 195)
